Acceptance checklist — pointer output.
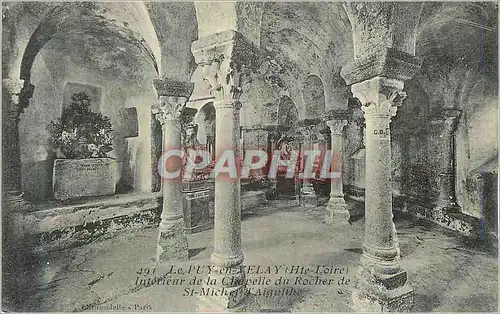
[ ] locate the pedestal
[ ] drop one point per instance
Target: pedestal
(74, 178)
(390, 295)
(308, 196)
(172, 241)
(336, 211)
(227, 292)
(196, 209)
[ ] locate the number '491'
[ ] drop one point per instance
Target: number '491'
(146, 271)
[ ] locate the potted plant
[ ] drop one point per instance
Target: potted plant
(83, 138)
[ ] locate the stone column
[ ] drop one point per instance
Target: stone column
(15, 97)
(444, 127)
(381, 280)
(273, 136)
(308, 195)
(223, 57)
(172, 240)
(336, 208)
(377, 80)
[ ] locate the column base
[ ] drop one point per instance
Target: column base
(386, 294)
(336, 211)
(308, 196)
(225, 288)
(221, 299)
(172, 242)
(397, 300)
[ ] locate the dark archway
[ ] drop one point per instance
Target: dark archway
(285, 141)
(313, 94)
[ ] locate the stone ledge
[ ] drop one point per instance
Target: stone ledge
(464, 224)
(460, 222)
(72, 225)
(55, 226)
(67, 215)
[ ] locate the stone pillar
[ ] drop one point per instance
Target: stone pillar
(377, 80)
(336, 207)
(444, 127)
(15, 97)
(172, 240)
(308, 195)
(15, 253)
(381, 280)
(10, 133)
(273, 136)
(223, 57)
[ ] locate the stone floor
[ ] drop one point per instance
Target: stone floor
(447, 272)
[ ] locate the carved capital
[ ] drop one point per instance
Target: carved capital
(311, 133)
(224, 79)
(446, 121)
(13, 88)
(336, 126)
(169, 108)
(379, 96)
(227, 60)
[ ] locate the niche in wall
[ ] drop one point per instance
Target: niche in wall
(94, 92)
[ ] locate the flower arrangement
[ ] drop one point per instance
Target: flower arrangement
(80, 132)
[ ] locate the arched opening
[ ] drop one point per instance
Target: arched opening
(205, 119)
(79, 48)
(313, 94)
(285, 141)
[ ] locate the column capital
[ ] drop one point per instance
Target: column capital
(311, 132)
(13, 87)
(169, 108)
(307, 131)
(336, 120)
(227, 59)
(336, 126)
(379, 96)
(446, 120)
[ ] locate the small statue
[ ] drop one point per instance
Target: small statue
(191, 136)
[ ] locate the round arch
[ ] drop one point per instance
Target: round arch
(287, 114)
(313, 96)
(205, 119)
(93, 18)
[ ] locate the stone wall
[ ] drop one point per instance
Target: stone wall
(477, 144)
